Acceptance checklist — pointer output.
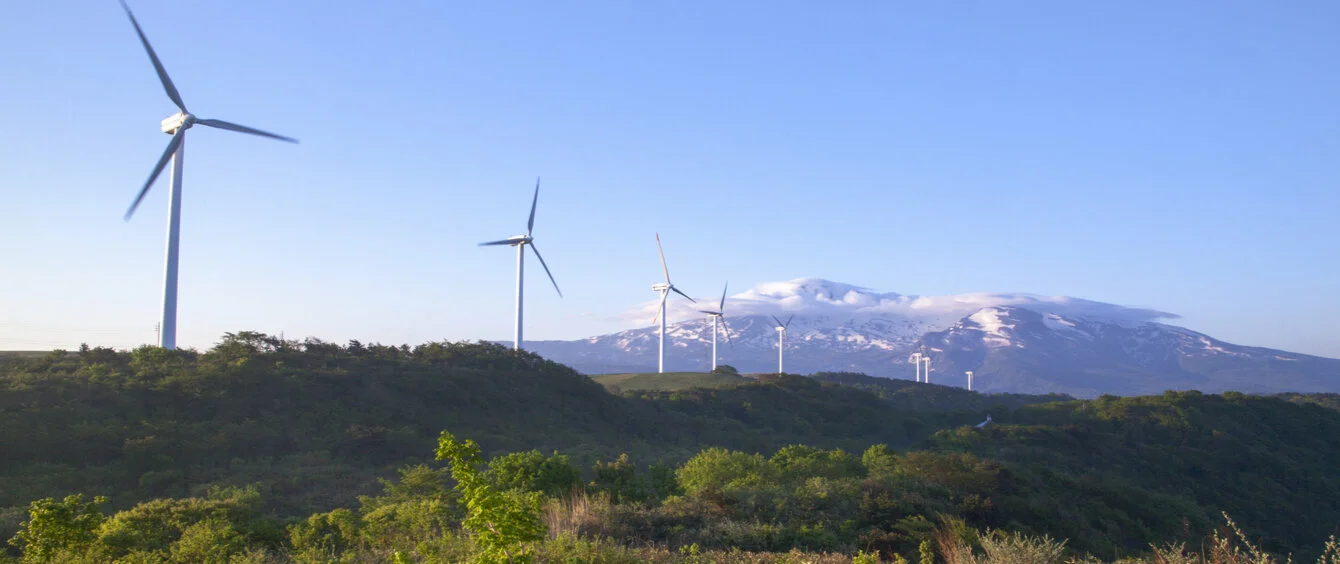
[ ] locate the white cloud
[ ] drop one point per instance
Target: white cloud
(816, 297)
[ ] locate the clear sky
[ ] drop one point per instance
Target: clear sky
(1181, 156)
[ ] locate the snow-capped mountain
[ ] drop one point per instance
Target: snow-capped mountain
(1012, 342)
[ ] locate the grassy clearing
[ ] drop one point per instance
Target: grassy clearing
(669, 381)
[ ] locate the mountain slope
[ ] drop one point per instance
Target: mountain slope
(1013, 343)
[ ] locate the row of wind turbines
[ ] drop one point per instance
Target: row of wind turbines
(921, 358)
(178, 123)
(718, 315)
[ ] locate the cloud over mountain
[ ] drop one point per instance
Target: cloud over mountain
(816, 296)
(1012, 341)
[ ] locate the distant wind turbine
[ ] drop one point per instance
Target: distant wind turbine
(176, 126)
(915, 358)
(718, 316)
(927, 359)
(520, 242)
(969, 373)
(665, 290)
(781, 339)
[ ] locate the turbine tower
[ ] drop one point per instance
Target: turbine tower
(176, 126)
(718, 316)
(781, 339)
(927, 359)
(665, 290)
(969, 373)
(915, 358)
(520, 242)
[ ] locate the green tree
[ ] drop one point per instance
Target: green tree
(926, 552)
(323, 535)
(619, 478)
(552, 475)
(212, 541)
(499, 521)
(55, 526)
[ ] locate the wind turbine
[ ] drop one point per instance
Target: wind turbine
(520, 242)
(665, 290)
(916, 359)
(969, 373)
(927, 359)
(176, 126)
(781, 339)
(718, 316)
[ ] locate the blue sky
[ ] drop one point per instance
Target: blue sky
(1180, 156)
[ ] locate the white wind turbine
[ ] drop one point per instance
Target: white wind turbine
(176, 126)
(781, 339)
(665, 290)
(718, 316)
(915, 358)
(927, 359)
(520, 242)
(969, 373)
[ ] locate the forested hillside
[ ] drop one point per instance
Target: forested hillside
(310, 427)
(316, 422)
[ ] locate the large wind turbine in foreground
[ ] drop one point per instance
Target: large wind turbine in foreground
(520, 242)
(176, 126)
(781, 339)
(665, 290)
(718, 316)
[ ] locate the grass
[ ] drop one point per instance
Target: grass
(667, 382)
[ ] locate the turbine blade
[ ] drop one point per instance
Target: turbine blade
(788, 322)
(722, 308)
(676, 290)
(662, 251)
(243, 129)
(546, 268)
(779, 322)
(658, 307)
(502, 242)
(709, 312)
(727, 332)
(530, 225)
(158, 65)
(158, 169)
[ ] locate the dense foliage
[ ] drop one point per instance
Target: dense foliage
(315, 424)
(269, 450)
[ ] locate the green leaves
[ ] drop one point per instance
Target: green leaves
(553, 475)
(55, 526)
(499, 521)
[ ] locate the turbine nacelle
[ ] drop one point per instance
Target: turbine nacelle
(179, 120)
(659, 287)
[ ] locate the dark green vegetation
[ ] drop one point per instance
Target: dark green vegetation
(905, 395)
(669, 381)
(257, 443)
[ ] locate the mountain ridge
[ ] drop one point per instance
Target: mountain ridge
(1014, 342)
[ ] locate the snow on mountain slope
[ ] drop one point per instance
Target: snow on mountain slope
(1013, 342)
(817, 297)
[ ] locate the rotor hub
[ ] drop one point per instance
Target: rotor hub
(179, 120)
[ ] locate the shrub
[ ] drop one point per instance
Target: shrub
(499, 521)
(57, 526)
